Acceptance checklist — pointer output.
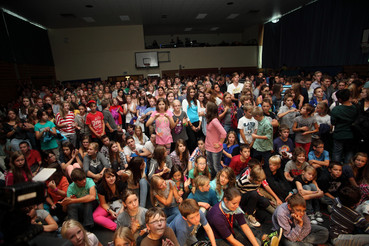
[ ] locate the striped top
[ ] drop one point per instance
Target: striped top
(69, 120)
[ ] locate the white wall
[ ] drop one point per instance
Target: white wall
(81, 53)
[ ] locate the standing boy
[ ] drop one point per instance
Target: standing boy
(186, 224)
(283, 145)
(263, 139)
(297, 230)
(247, 126)
(95, 121)
(111, 128)
(287, 113)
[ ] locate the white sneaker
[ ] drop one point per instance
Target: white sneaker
(252, 221)
(318, 217)
(312, 219)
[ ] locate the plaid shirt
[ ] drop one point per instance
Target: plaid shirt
(221, 110)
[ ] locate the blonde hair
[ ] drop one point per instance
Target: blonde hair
(125, 234)
(276, 159)
(68, 224)
(200, 180)
(94, 145)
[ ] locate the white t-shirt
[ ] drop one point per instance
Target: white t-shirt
(233, 89)
(248, 126)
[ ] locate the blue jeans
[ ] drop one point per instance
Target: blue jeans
(214, 162)
(342, 148)
(144, 188)
(171, 213)
(318, 235)
(312, 205)
(84, 210)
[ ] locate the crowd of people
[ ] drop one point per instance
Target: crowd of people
(156, 159)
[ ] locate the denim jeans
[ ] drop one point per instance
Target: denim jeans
(214, 162)
(312, 205)
(171, 213)
(84, 210)
(342, 148)
(144, 188)
(317, 235)
(351, 240)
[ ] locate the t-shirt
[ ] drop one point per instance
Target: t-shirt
(120, 187)
(237, 165)
(63, 185)
(162, 128)
(33, 158)
(329, 184)
(78, 192)
(168, 233)
(108, 118)
(280, 146)
(179, 131)
(96, 121)
(48, 141)
(301, 122)
(288, 118)
(342, 118)
(208, 197)
(264, 129)
(293, 170)
(182, 230)
(248, 126)
(302, 182)
(219, 223)
(234, 90)
(165, 193)
(124, 219)
(69, 120)
(324, 156)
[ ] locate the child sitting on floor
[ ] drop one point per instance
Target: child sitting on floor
(291, 217)
(202, 193)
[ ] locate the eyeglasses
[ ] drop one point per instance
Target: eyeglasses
(156, 222)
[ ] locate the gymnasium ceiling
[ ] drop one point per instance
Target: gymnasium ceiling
(158, 17)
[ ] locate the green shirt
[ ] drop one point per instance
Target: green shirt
(264, 129)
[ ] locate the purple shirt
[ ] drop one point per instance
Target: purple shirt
(219, 222)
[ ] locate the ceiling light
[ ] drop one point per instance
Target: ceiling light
(214, 28)
(201, 16)
(232, 16)
(187, 29)
(124, 17)
(22, 18)
(275, 20)
(89, 19)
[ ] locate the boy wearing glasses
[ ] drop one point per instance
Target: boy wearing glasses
(318, 157)
(159, 233)
(291, 217)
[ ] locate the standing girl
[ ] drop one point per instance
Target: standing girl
(170, 98)
(227, 110)
(18, 171)
(191, 107)
(141, 107)
(303, 127)
(180, 156)
(180, 120)
(215, 135)
(64, 120)
(164, 194)
(163, 123)
(117, 112)
(129, 109)
(45, 132)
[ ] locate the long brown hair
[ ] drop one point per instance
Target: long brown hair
(211, 111)
(113, 155)
(159, 155)
(185, 155)
(109, 194)
(231, 179)
(17, 171)
(206, 170)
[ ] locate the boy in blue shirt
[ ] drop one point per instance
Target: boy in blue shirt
(318, 157)
(186, 224)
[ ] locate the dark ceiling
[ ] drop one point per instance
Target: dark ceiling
(158, 17)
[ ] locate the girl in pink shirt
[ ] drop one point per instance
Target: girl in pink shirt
(215, 135)
(163, 123)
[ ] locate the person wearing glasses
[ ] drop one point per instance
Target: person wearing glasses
(158, 231)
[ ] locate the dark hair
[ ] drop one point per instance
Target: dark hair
(244, 146)
(231, 178)
(18, 171)
(161, 100)
(58, 175)
(230, 193)
(309, 108)
(343, 95)
(349, 196)
(253, 162)
(188, 95)
(104, 103)
(334, 163)
(298, 151)
(187, 207)
(174, 169)
(286, 96)
(127, 193)
(40, 113)
(109, 194)
(185, 155)
(77, 175)
(134, 165)
(317, 142)
(159, 155)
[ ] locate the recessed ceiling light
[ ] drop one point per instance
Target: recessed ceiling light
(232, 16)
(214, 28)
(230, 3)
(201, 16)
(187, 29)
(89, 6)
(124, 17)
(275, 20)
(89, 19)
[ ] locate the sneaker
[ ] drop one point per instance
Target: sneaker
(318, 217)
(273, 238)
(252, 221)
(312, 219)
